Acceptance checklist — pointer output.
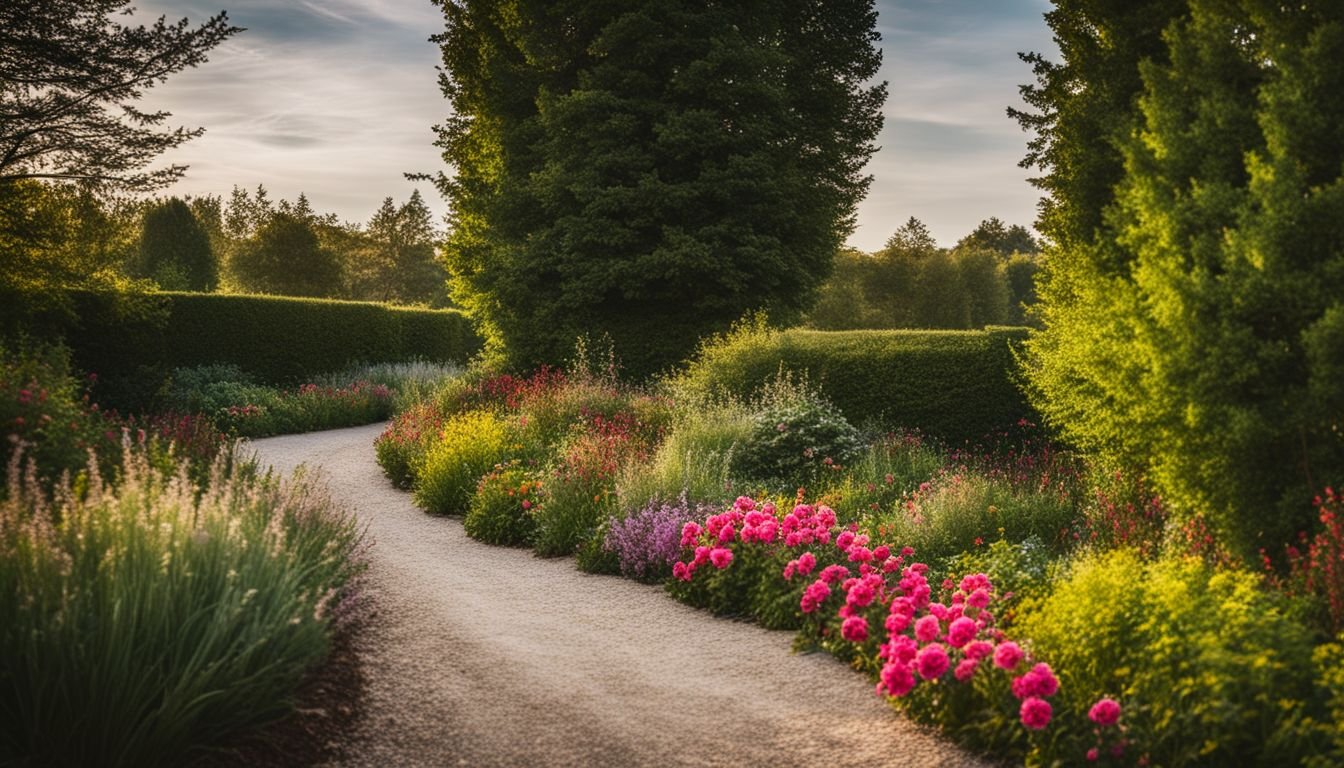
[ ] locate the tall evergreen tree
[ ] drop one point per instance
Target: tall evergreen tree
(1205, 347)
(651, 170)
(175, 249)
(285, 257)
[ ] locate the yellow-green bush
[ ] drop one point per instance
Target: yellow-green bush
(468, 446)
(1206, 663)
(951, 384)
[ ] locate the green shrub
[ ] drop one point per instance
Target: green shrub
(501, 509)
(797, 438)
(1206, 663)
(132, 345)
(581, 492)
(401, 447)
(466, 448)
(953, 385)
(43, 406)
(142, 622)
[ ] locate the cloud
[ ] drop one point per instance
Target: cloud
(337, 98)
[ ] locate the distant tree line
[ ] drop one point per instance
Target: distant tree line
(987, 278)
(58, 235)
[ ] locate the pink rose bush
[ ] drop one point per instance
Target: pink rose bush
(884, 604)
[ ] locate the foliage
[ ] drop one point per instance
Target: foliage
(948, 384)
(69, 79)
(1185, 648)
(501, 509)
(694, 461)
(993, 235)
(398, 262)
(157, 619)
(44, 407)
(1182, 341)
(401, 448)
(962, 511)
(134, 343)
(1122, 511)
(797, 438)
(1316, 571)
(469, 444)
(175, 250)
(55, 236)
(651, 192)
(886, 471)
(285, 257)
(912, 283)
(581, 492)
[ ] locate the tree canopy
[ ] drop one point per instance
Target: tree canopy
(650, 170)
(69, 80)
(1193, 304)
(175, 249)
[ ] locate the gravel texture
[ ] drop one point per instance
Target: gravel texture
(485, 656)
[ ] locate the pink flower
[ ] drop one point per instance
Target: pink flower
(978, 599)
(1035, 713)
(806, 562)
(960, 632)
(1093, 755)
(681, 572)
(931, 661)
(1039, 681)
(844, 539)
(720, 557)
(689, 533)
(854, 629)
(701, 555)
(897, 679)
(815, 594)
(966, 669)
(897, 622)
(882, 552)
(527, 504)
(833, 573)
(1007, 655)
(900, 648)
(1105, 712)
(726, 534)
(789, 569)
(978, 649)
(927, 629)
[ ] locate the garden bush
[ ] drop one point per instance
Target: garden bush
(467, 447)
(501, 509)
(797, 438)
(648, 540)
(141, 622)
(580, 493)
(1206, 662)
(278, 340)
(953, 385)
(401, 448)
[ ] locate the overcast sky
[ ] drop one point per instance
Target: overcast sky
(337, 98)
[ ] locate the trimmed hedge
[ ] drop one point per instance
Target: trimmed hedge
(956, 385)
(134, 342)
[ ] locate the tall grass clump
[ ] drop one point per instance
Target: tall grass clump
(144, 622)
(693, 462)
(411, 382)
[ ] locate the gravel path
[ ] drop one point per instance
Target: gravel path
(488, 656)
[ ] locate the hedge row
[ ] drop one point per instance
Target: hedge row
(956, 385)
(133, 341)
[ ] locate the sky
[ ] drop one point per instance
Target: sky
(338, 98)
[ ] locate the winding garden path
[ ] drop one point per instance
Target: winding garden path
(488, 656)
